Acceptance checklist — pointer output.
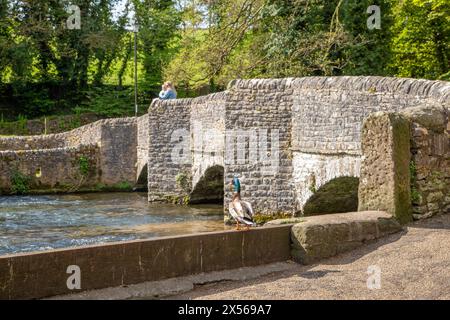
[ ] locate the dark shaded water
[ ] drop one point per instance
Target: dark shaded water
(34, 223)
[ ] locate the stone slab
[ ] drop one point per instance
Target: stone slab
(325, 236)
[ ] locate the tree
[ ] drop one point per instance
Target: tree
(217, 43)
(420, 45)
(368, 52)
(158, 21)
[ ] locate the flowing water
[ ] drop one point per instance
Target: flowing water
(35, 223)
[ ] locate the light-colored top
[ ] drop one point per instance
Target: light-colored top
(168, 94)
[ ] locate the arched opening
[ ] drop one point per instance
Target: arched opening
(209, 188)
(336, 196)
(142, 181)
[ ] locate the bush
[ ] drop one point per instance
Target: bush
(83, 163)
(19, 183)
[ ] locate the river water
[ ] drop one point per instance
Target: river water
(36, 223)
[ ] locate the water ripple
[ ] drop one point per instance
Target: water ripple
(36, 223)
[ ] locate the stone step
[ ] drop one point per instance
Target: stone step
(324, 236)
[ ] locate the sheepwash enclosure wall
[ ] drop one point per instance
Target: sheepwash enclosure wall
(107, 154)
(312, 127)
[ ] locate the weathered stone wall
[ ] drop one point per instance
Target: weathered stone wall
(259, 111)
(32, 142)
(88, 134)
(118, 148)
(115, 144)
(58, 170)
(327, 120)
(317, 122)
(430, 156)
(385, 177)
(312, 171)
(143, 139)
(186, 139)
(169, 150)
(328, 112)
(406, 162)
(207, 127)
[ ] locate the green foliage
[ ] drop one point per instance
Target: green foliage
(18, 127)
(183, 181)
(420, 42)
(20, 183)
(313, 185)
(107, 101)
(158, 21)
(100, 187)
(218, 42)
(264, 218)
(179, 200)
(412, 170)
(83, 165)
(123, 186)
(415, 196)
(367, 51)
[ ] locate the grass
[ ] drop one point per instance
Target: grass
(123, 186)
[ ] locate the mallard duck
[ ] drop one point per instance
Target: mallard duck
(242, 212)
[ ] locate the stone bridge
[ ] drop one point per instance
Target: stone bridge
(286, 139)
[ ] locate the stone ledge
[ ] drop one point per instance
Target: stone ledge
(325, 236)
(43, 274)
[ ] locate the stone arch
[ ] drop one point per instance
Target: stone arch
(312, 171)
(210, 187)
(336, 196)
(142, 178)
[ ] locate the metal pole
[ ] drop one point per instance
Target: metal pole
(135, 71)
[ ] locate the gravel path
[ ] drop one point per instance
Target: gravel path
(414, 264)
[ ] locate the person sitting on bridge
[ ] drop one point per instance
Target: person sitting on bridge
(168, 91)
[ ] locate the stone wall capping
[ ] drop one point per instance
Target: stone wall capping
(419, 87)
(430, 115)
(325, 236)
(43, 274)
